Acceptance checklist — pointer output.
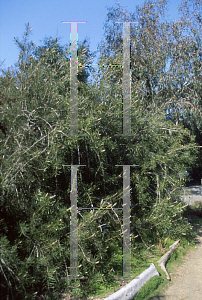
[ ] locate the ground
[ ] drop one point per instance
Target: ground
(186, 280)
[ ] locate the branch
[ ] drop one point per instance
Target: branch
(88, 258)
(163, 260)
(182, 148)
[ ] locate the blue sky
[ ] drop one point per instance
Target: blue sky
(45, 18)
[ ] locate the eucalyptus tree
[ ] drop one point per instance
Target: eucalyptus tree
(165, 59)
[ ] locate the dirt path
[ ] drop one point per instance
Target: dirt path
(186, 280)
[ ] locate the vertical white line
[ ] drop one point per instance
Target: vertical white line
(73, 225)
(126, 222)
(73, 80)
(126, 80)
(73, 76)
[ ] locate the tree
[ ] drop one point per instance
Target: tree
(35, 185)
(165, 60)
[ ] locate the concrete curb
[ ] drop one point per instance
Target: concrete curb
(129, 291)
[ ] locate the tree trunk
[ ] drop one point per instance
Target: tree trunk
(163, 260)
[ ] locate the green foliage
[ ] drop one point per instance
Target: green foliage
(148, 288)
(36, 147)
(8, 266)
